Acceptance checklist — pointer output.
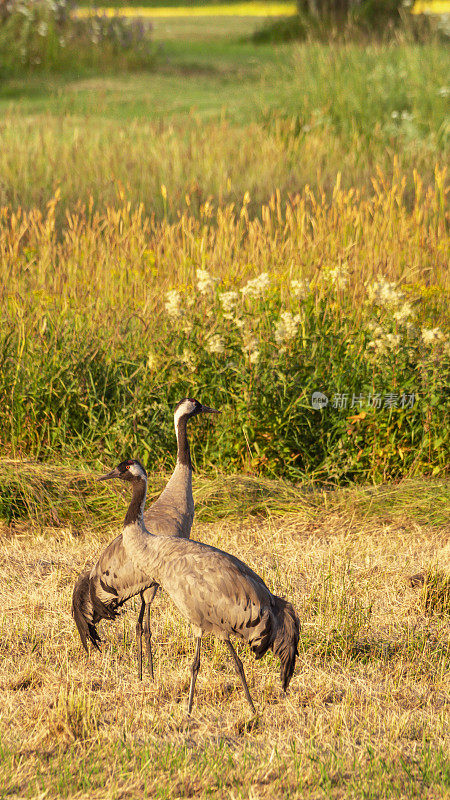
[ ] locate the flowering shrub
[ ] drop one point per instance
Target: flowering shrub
(32, 34)
(40, 34)
(383, 373)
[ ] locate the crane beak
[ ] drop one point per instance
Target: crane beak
(208, 410)
(113, 474)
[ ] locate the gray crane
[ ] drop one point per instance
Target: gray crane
(114, 579)
(216, 592)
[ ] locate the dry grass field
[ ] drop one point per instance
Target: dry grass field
(367, 713)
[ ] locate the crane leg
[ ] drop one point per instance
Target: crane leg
(240, 671)
(194, 672)
(150, 596)
(139, 638)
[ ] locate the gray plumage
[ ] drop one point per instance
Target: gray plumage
(101, 591)
(215, 591)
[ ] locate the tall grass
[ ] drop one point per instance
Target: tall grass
(105, 326)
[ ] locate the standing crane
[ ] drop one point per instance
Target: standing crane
(215, 591)
(114, 579)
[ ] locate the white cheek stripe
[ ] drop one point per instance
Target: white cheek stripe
(185, 408)
(135, 470)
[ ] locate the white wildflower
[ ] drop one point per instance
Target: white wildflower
(172, 304)
(257, 286)
(377, 345)
(384, 342)
(252, 349)
(338, 277)
(392, 340)
(444, 91)
(228, 301)
(215, 344)
(286, 327)
(375, 329)
(384, 293)
(300, 288)
(42, 28)
(205, 283)
(403, 313)
(430, 335)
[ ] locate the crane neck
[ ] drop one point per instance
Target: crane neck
(183, 450)
(135, 511)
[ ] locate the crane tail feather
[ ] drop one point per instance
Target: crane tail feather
(82, 612)
(286, 639)
(87, 610)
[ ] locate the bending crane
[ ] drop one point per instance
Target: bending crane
(216, 592)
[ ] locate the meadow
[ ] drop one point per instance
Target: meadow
(247, 224)
(149, 185)
(194, 122)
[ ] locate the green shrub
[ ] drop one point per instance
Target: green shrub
(285, 29)
(368, 18)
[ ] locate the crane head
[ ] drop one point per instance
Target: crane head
(128, 470)
(190, 408)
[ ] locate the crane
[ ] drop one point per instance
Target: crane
(101, 591)
(215, 591)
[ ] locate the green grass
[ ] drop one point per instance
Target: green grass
(218, 771)
(203, 77)
(294, 79)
